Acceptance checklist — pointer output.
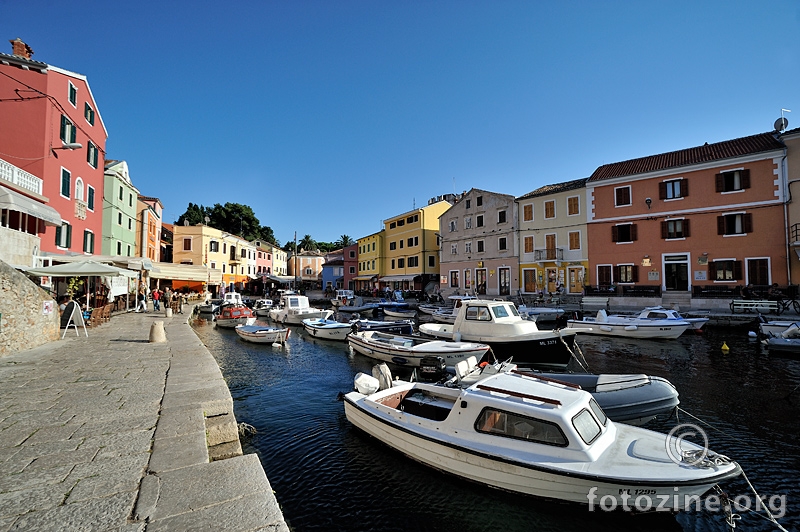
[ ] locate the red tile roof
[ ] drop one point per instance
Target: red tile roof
(553, 189)
(762, 142)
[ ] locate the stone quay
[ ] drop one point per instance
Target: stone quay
(115, 432)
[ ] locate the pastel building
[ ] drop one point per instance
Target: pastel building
(553, 244)
(687, 224)
(51, 174)
(119, 211)
(148, 227)
(479, 245)
(370, 261)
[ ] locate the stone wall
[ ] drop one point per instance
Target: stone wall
(23, 324)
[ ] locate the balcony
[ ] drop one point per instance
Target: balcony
(21, 178)
(549, 254)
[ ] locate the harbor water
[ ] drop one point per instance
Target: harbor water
(327, 475)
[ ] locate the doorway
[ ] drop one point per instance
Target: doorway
(505, 281)
(480, 281)
(676, 273)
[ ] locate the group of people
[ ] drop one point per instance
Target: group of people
(774, 293)
(157, 295)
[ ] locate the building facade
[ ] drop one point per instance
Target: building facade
(306, 267)
(694, 220)
(553, 245)
(52, 131)
(119, 210)
(791, 165)
(479, 245)
(148, 227)
(370, 262)
(411, 250)
(350, 258)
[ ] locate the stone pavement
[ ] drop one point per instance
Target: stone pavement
(112, 432)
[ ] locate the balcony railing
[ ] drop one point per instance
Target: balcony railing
(540, 255)
(19, 177)
(794, 233)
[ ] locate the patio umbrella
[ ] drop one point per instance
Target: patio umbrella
(84, 268)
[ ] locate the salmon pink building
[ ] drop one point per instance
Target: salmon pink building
(52, 131)
(692, 224)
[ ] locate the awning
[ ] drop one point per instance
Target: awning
(364, 277)
(14, 201)
(280, 279)
(186, 272)
(391, 278)
(84, 268)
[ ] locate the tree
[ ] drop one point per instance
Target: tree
(308, 243)
(344, 241)
(195, 214)
(232, 218)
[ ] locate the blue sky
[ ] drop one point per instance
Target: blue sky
(327, 117)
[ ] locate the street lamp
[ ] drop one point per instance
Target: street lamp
(69, 146)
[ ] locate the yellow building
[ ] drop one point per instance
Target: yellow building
(370, 261)
(226, 256)
(411, 247)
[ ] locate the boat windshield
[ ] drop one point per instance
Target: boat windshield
(598, 412)
(586, 425)
(504, 311)
(520, 427)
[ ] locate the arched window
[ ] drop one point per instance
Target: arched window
(79, 189)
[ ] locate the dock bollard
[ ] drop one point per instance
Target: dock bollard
(157, 333)
(168, 312)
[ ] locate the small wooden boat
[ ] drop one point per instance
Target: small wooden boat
(262, 334)
(408, 314)
(232, 315)
(629, 326)
(327, 329)
(410, 350)
(518, 433)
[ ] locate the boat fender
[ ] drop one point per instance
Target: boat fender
(456, 336)
(631, 327)
(605, 328)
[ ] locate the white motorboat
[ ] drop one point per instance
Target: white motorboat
(525, 435)
(409, 350)
(429, 309)
(232, 298)
(356, 304)
(232, 315)
(295, 308)
(408, 314)
(341, 297)
(632, 399)
(327, 329)
(498, 324)
(262, 334)
(775, 327)
(661, 313)
(541, 314)
(629, 326)
(445, 315)
(261, 307)
(210, 307)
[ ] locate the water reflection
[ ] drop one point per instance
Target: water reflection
(329, 476)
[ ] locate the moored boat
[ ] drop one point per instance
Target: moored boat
(661, 313)
(410, 350)
(261, 307)
(397, 326)
(295, 308)
(629, 326)
(232, 315)
(407, 314)
(327, 329)
(521, 434)
(262, 334)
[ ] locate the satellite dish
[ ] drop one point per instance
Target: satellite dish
(207, 219)
(186, 223)
(781, 124)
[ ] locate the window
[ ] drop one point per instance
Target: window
(64, 235)
(79, 189)
(454, 279)
(501, 217)
(468, 222)
(72, 94)
(91, 154)
(628, 273)
(410, 242)
(130, 200)
(587, 426)
(622, 196)
(623, 233)
(401, 263)
(119, 248)
(467, 247)
(120, 193)
(478, 314)
(479, 221)
(573, 205)
(88, 241)
(735, 224)
(401, 243)
(674, 229)
(66, 182)
(373, 264)
(733, 181)
(392, 245)
(67, 130)
(224, 247)
(528, 243)
(574, 240)
(480, 246)
(88, 112)
(392, 225)
(467, 279)
(413, 262)
(431, 261)
(673, 189)
(501, 243)
(213, 246)
(549, 209)
(468, 204)
(479, 201)
(119, 218)
(520, 427)
(352, 254)
(393, 264)
(452, 226)
(352, 270)
(129, 250)
(373, 246)
(130, 224)
(401, 223)
(187, 244)
(527, 213)
(90, 197)
(453, 249)
(725, 270)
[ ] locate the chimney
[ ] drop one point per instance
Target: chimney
(20, 49)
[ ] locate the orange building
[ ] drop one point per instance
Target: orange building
(691, 223)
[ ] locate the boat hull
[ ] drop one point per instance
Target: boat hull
(324, 331)
(654, 331)
(451, 352)
(262, 335)
(230, 323)
(506, 473)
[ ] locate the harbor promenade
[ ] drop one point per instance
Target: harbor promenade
(113, 432)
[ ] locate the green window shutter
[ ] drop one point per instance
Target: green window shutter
(69, 236)
(58, 235)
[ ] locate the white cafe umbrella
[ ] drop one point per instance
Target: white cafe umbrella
(84, 268)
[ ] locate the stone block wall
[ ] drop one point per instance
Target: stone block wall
(23, 324)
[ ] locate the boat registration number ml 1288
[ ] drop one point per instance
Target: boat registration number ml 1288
(635, 492)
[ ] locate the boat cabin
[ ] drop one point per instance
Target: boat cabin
(294, 301)
(232, 298)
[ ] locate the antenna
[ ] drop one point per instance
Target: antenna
(782, 123)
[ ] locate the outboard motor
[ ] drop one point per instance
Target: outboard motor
(432, 369)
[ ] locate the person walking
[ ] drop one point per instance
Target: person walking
(141, 305)
(156, 299)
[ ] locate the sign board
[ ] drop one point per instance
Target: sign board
(48, 307)
(700, 275)
(653, 276)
